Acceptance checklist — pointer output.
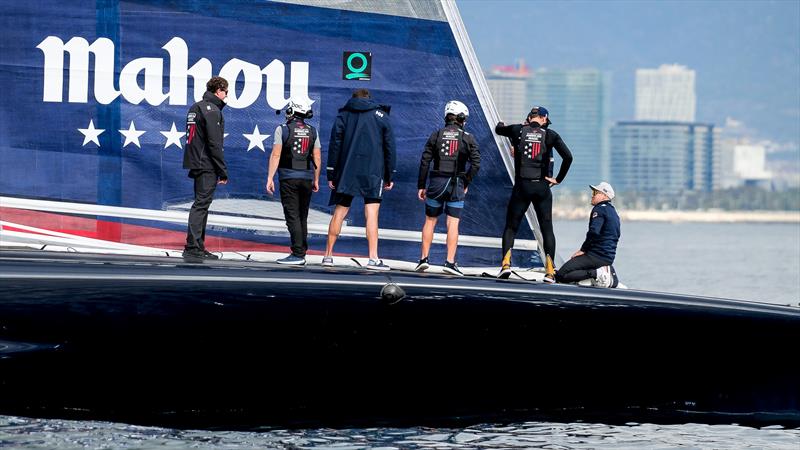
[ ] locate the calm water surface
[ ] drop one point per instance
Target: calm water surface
(759, 262)
(60, 434)
(746, 261)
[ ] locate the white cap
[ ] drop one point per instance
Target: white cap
(605, 188)
(455, 108)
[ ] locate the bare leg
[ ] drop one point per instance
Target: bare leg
(335, 227)
(452, 238)
(371, 214)
(427, 235)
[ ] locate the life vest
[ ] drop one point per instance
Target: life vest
(530, 151)
(448, 144)
(298, 142)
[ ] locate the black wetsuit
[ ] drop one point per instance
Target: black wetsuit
(536, 191)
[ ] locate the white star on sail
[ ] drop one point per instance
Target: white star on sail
(173, 137)
(91, 134)
(132, 135)
(256, 140)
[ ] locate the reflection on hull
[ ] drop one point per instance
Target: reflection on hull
(243, 345)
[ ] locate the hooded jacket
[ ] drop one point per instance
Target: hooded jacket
(361, 151)
(205, 127)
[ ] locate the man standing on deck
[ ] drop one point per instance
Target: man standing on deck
(532, 145)
(203, 156)
(593, 260)
(449, 148)
(361, 161)
(296, 157)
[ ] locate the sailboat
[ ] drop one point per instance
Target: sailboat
(100, 318)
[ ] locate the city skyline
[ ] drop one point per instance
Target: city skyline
(747, 65)
(666, 93)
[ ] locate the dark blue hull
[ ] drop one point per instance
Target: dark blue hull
(243, 345)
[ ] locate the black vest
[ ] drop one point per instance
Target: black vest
(448, 144)
(530, 153)
(298, 143)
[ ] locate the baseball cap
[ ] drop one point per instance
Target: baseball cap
(538, 111)
(605, 188)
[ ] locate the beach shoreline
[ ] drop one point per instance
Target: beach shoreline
(710, 216)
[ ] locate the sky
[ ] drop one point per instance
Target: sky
(746, 54)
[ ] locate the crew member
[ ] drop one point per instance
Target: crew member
(296, 156)
(203, 156)
(361, 162)
(449, 148)
(532, 147)
(593, 260)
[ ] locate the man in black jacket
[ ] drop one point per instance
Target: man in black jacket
(449, 148)
(203, 156)
(532, 145)
(593, 260)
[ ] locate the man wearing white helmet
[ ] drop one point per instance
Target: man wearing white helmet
(296, 156)
(449, 149)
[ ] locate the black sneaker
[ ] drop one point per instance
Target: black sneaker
(423, 265)
(208, 255)
(192, 254)
(452, 269)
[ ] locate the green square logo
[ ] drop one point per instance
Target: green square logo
(357, 66)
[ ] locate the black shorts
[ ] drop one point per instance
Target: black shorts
(347, 200)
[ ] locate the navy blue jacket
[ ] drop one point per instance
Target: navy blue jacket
(361, 152)
(603, 235)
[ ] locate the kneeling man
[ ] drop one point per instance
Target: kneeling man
(593, 261)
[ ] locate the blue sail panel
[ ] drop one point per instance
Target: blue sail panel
(77, 68)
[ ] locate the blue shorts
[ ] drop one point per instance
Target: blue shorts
(434, 208)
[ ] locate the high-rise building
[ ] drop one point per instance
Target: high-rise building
(578, 102)
(744, 162)
(665, 157)
(665, 94)
(508, 85)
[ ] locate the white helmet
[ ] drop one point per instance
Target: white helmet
(456, 108)
(299, 106)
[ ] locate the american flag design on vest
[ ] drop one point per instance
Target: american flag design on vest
(449, 143)
(532, 146)
(301, 141)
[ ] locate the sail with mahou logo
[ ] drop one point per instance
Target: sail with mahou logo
(92, 143)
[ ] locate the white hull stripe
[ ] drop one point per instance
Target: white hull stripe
(246, 223)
